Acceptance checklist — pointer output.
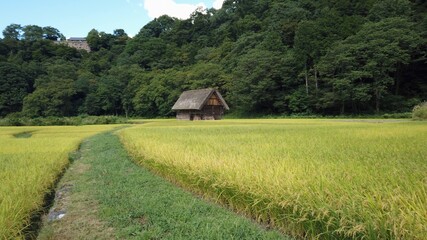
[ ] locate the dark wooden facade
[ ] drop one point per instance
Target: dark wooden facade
(202, 104)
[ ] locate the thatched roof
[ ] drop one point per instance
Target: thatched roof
(196, 99)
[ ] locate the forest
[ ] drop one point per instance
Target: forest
(266, 57)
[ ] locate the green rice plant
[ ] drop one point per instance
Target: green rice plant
(31, 158)
(310, 178)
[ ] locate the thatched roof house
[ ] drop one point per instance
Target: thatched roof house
(201, 104)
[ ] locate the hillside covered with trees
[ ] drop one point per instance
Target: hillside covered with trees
(324, 57)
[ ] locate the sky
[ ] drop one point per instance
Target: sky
(75, 18)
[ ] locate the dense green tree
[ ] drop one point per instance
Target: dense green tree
(94, 40)
(108, 95)
(120, 36)
(390, 8)
(13, 88)
(54, 99)
(32, 32)
(4, 51)
(265, 56)
(207, 75)
(98, 62)
(54, 92)
(158, 26)
(120, 33)
(53, 34)
(148, 53)
(283, 18)
(13, 31)
(157, 92)
(314, 37)
(257, 82)
(372, 56)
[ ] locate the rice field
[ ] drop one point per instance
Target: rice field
(31, 158)
(324, 179)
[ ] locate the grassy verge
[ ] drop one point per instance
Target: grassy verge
(109, 196)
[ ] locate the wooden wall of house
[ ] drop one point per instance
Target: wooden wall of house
(212, 112)
(183, 115)
(214, 100)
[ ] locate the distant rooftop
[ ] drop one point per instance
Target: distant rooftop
(77, 39)
(196, 99)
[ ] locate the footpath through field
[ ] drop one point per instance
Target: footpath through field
(105, 195)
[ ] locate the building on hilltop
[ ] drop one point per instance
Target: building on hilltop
(201, 104)
(77, 42)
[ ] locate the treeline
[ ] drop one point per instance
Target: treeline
(266, 57)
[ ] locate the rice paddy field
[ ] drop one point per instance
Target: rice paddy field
(326, 179)
(31, 158)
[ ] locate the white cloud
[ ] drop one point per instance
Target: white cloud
(217, 4)
(157, 8)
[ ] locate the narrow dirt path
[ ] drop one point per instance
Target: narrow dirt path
(105, 195)
(74, 214)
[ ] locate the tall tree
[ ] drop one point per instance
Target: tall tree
(314, 37)
(54, 92)
(94, 40)
(158, 26)
(13, 31)
(53, 34)
(32, 32)
(257, 82)
(373, 55)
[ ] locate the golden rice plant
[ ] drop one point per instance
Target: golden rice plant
(29, 167)
(311, 178)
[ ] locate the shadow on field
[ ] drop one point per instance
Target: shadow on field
(26, 134)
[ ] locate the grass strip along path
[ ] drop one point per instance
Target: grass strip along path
(105, 195)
